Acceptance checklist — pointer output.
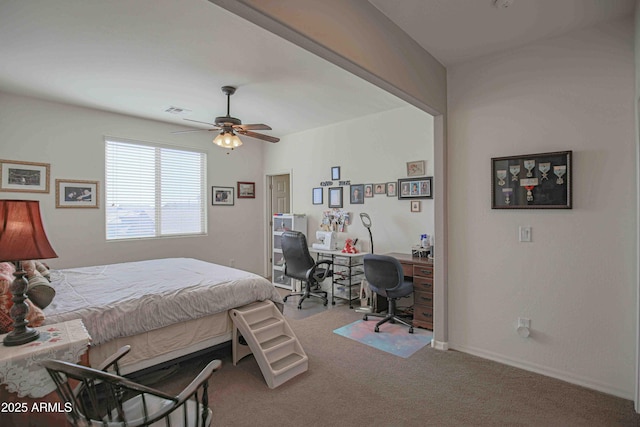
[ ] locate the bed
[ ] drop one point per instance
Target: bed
(164, 308)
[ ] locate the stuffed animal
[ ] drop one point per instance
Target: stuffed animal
(350, 247)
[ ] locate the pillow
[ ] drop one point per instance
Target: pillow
(35, 316)
(44, 270)
(38, 291)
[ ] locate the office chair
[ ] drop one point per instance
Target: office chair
(385, 277)
(106, 398)
(300, 265)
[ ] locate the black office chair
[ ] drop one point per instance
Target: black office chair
(385, 277)
(300, 265)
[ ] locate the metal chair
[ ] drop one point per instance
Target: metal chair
(300, 265)
(106, 398)
(385, 277)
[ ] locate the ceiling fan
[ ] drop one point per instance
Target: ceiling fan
(229, 126)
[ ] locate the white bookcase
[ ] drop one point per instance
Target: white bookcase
(282, 223)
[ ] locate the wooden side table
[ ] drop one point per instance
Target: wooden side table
(27, 395)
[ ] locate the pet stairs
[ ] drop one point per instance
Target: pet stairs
(270, 339)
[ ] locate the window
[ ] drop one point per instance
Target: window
(153, 191)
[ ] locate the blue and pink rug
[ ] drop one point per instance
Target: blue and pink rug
(392, 338)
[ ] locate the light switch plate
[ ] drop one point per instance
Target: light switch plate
(524, 234)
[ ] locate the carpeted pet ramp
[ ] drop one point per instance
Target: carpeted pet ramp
(271, 340)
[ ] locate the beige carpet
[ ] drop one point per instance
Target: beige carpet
(349, 383)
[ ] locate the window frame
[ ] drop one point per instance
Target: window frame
(158, 208)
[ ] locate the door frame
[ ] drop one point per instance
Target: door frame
(267, 213)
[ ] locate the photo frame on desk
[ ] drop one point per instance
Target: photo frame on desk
(415, 188)
(532, 181)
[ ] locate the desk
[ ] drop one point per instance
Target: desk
(348, 272)
(421, 270)
(25, 383)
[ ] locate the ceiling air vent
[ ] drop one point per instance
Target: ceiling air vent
(176, 110)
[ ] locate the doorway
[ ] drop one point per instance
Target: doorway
(278, 201)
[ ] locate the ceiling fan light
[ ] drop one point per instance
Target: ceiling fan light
(227, 140)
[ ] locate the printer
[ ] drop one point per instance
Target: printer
(327, 241)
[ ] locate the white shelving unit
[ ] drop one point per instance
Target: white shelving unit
(282, 223)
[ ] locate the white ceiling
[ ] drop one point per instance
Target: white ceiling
(141, 57)
(455, 31)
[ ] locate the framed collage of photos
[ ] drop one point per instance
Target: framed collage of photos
(415, 188)
(532, 181)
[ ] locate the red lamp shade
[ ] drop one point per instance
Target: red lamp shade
(22, 236)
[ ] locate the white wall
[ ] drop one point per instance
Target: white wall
(369, 150)
(577, 280)
(71, 139)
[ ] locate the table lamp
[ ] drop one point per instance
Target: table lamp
(22, 237)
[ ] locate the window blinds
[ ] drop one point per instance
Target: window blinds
(153, 191)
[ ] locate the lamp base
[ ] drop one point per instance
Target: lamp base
(13, 338)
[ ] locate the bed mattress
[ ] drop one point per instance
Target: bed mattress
(121, 300)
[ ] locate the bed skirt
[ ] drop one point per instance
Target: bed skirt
(167, 343)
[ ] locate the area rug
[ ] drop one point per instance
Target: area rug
(392, 338)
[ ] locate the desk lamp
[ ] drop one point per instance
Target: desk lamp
(366, 221)
(22, 237)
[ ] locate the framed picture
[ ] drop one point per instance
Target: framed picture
(391, 189)
(380, 188)
(222, 196)
(24, 177)
(357, 194)
(77, 194)
(415, 206)
(246, 190)
(335, 173)
(532, 181)
(335, 197)
(317, 196)
(416, 168)
(415, 188)
(368, 190)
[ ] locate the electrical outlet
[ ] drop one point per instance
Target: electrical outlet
(524, 234)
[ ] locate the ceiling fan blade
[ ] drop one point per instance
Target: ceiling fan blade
(258, 135)
(256, 126)
(188, 131)
(198, 121)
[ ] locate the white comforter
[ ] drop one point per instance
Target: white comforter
(126, 299)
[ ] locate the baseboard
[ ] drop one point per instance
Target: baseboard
(546, 371)
(439, 345)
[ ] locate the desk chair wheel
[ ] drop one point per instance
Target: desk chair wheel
(284, 299)
(326, 302)
(411, 330)
(365, 317)
(376, 329)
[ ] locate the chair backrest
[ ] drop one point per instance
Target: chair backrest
(104, 398)
(382, 272)
(298, 261)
